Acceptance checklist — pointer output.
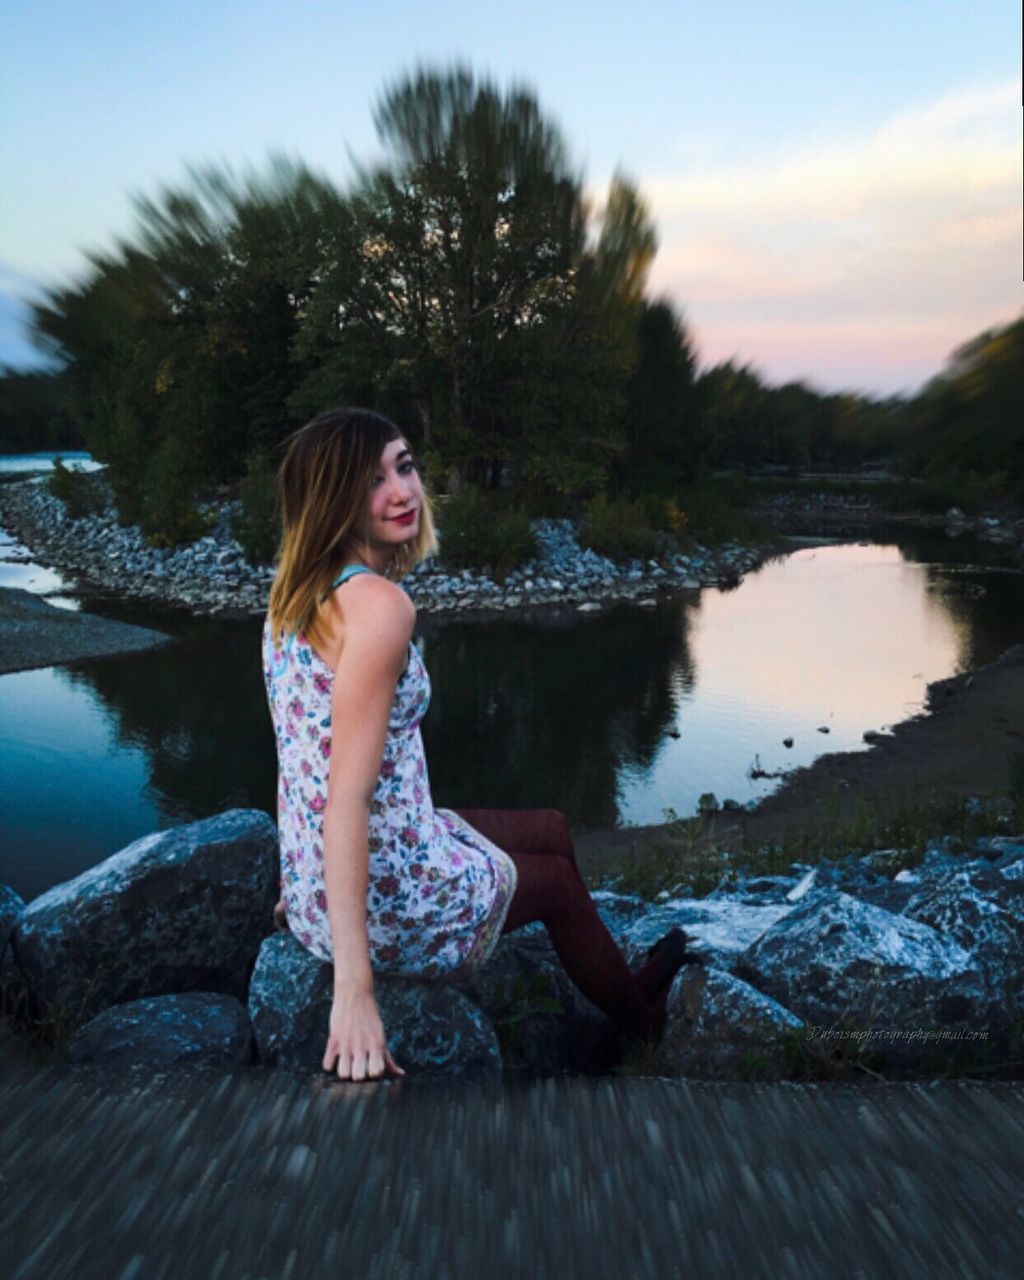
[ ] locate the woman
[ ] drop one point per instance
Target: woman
(374, 877)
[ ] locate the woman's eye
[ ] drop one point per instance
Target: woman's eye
(407, 466)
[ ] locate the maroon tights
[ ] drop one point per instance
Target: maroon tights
(551, 889)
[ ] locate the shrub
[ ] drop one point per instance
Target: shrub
(476, 531)
(619, 529)
(75, 489)
(170, 514)
(257, 523)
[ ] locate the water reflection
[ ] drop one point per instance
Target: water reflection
(612, 718)
(527, 716)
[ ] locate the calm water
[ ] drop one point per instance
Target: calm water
(613, 718)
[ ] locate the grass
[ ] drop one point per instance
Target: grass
(697, 852)
(46, 1028)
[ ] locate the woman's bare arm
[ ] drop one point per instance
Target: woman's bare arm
(378, 623)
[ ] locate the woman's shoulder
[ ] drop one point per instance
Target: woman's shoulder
(369, 601)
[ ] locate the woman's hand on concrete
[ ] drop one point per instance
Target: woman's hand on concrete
(356, 1044)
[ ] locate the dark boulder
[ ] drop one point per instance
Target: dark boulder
(180, 910)
(544, 1024)
(853, 971)
(432, 1029)
(12, 908)
(983, 912)
(720, 1027)
(200, 1028)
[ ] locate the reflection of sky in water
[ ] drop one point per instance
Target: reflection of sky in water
(842, 636)
(579, 714)
(33, 577)
(27, 463)
(74, 784)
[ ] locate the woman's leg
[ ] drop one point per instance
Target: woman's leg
(526, 830)
(551, 889)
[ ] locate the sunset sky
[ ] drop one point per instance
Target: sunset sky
(837, 188)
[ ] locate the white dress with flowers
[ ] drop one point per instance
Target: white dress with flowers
(438, 890)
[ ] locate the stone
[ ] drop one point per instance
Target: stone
(544, 1024)
(12, 908)
(720, 1027)
(722, 930)
(897, 981)
(201, 1028)
(983, 912)
(432, 1029)
(179, 910)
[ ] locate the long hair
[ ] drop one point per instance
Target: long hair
(323, 486)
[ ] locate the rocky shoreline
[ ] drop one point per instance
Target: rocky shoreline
(211, 576)
(165, 955)
(842, 514)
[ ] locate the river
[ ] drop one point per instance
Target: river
(617, 718)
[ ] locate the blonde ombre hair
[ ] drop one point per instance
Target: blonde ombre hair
(324, 485)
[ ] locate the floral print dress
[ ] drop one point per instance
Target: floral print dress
(438, 890)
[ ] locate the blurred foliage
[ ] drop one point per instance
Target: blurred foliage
(618, 528)
(479, 532)
(257, 523)
(75, 489)
(465, 286)
(34, 416)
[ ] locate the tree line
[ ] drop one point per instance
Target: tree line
(464, 286)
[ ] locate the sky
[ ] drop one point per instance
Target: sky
(836, 187)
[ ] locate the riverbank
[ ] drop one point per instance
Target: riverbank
(34, 634)
(963, 748)
(211, 576)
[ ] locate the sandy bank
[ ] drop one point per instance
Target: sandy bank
(34, 633)
(962, 745)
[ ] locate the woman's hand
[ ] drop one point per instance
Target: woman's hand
(356, 1040)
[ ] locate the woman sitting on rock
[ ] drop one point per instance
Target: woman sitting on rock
(373, 876)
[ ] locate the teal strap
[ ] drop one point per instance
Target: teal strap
(347, 573)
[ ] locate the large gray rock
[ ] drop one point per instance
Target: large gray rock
(432, 1029)
(195, 1029)
(12, 908)
(720, 1027)
(983, 912)
(722, 929)
(855, 971)
(544, 1024)
(180, 910)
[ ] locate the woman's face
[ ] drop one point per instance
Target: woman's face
(396, 499)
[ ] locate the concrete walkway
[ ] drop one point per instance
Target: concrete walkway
(260, 1174)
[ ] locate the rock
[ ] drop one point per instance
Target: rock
(720, 1027)
(544, 1024)
(197, 1029)
(983, 912)
(12, 908)
(722, 931)
(180, 910)
(432, 1029)
(897, 981)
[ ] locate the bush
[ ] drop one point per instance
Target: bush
(476, 531)
(170, 514)
(257, 524)
(75, 489)
(619, 529)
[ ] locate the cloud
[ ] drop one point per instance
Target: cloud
(906, 241)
